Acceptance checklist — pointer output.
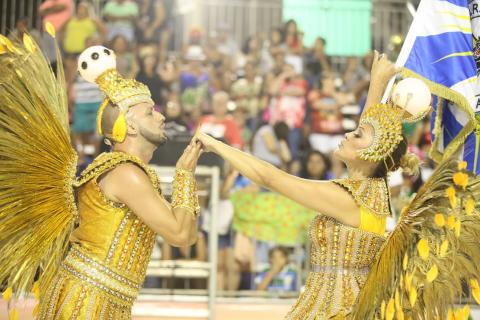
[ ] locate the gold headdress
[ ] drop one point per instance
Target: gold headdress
(97, 65)
(386, 121)
(410, 102)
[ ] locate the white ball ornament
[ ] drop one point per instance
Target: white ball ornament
(413, 95)
(94, 61)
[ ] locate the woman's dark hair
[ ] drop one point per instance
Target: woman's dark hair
(392, 162)
(246, 45)
(141, 64)
(281, 130)
(304, 172)
(285, 28)
(115, 39)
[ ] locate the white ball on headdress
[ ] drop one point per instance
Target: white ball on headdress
(412, 95)
(94, 61)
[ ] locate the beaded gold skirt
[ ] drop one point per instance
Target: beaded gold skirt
(85, 289)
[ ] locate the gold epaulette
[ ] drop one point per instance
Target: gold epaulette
(109, 160)
(370, 193)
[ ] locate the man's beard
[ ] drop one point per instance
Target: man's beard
(157, 139)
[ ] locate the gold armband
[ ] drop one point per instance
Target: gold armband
(184, 193)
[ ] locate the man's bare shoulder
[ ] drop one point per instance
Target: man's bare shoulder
(125, 179)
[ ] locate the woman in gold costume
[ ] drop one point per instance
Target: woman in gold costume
(90, 256)
(357, 272)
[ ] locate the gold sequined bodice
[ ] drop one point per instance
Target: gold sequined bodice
(109, 254)
(340, 261)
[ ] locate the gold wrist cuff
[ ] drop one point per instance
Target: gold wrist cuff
(184, 193)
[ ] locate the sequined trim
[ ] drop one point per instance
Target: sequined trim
(338, 269)
(370, 193)
(101, 277)
(133, 255)
(52, 297)
(91, 306)
(77, 252)
(78, 305)
(126, 246)
(67, 299)
(109, 160)
(117, 236)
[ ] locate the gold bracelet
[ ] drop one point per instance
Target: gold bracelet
(184, 193)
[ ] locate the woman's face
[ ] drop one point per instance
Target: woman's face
(275, 37)
(149, 62)
(82, 11)
(173, 110)
(353, 142)
(253, 44)
(316, 166)
(291, 27)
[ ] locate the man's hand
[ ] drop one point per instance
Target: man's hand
(189, 158)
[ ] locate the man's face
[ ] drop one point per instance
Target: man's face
(149, 123)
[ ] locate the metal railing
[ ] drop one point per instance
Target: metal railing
(194, 268)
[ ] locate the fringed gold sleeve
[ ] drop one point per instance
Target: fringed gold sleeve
(184, 194)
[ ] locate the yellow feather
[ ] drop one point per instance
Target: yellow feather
(35, 151)
(382, 310)
(466, 312)
(444, 248)
(390, 312)
(36, 310)
(400, 314)
(36, 290)
(413, 296)
(28, 43)
(450, 193)
(423, 249)
(457, 228)
(50, 29)
(397, 300)
(432, 274)
(7, 294)
(462, 165)
(460, 179)
(451, 222)
(405, 262)
(451, 315)
(475, 290)
(439, 220)
(469, 206)
(459, 314)
(13, 315)
(2, 49)
(8, 44)
(408, 281)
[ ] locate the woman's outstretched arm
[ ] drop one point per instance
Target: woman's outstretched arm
(323, 196)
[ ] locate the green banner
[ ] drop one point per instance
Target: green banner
(345, 24)
(268, 216)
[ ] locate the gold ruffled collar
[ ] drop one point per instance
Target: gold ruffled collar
(371, 193)
(107, 161)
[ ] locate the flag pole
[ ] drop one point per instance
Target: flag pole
(402, 57)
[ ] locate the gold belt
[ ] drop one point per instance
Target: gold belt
(335, 269)
(87, 269)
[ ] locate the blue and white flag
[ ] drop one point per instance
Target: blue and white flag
(439, 49)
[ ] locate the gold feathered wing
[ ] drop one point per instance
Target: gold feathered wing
(37, 167)
(432, 254)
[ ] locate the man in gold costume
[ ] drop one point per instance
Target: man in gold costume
(90, 256)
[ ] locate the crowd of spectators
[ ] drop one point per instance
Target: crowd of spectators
(286, 103)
